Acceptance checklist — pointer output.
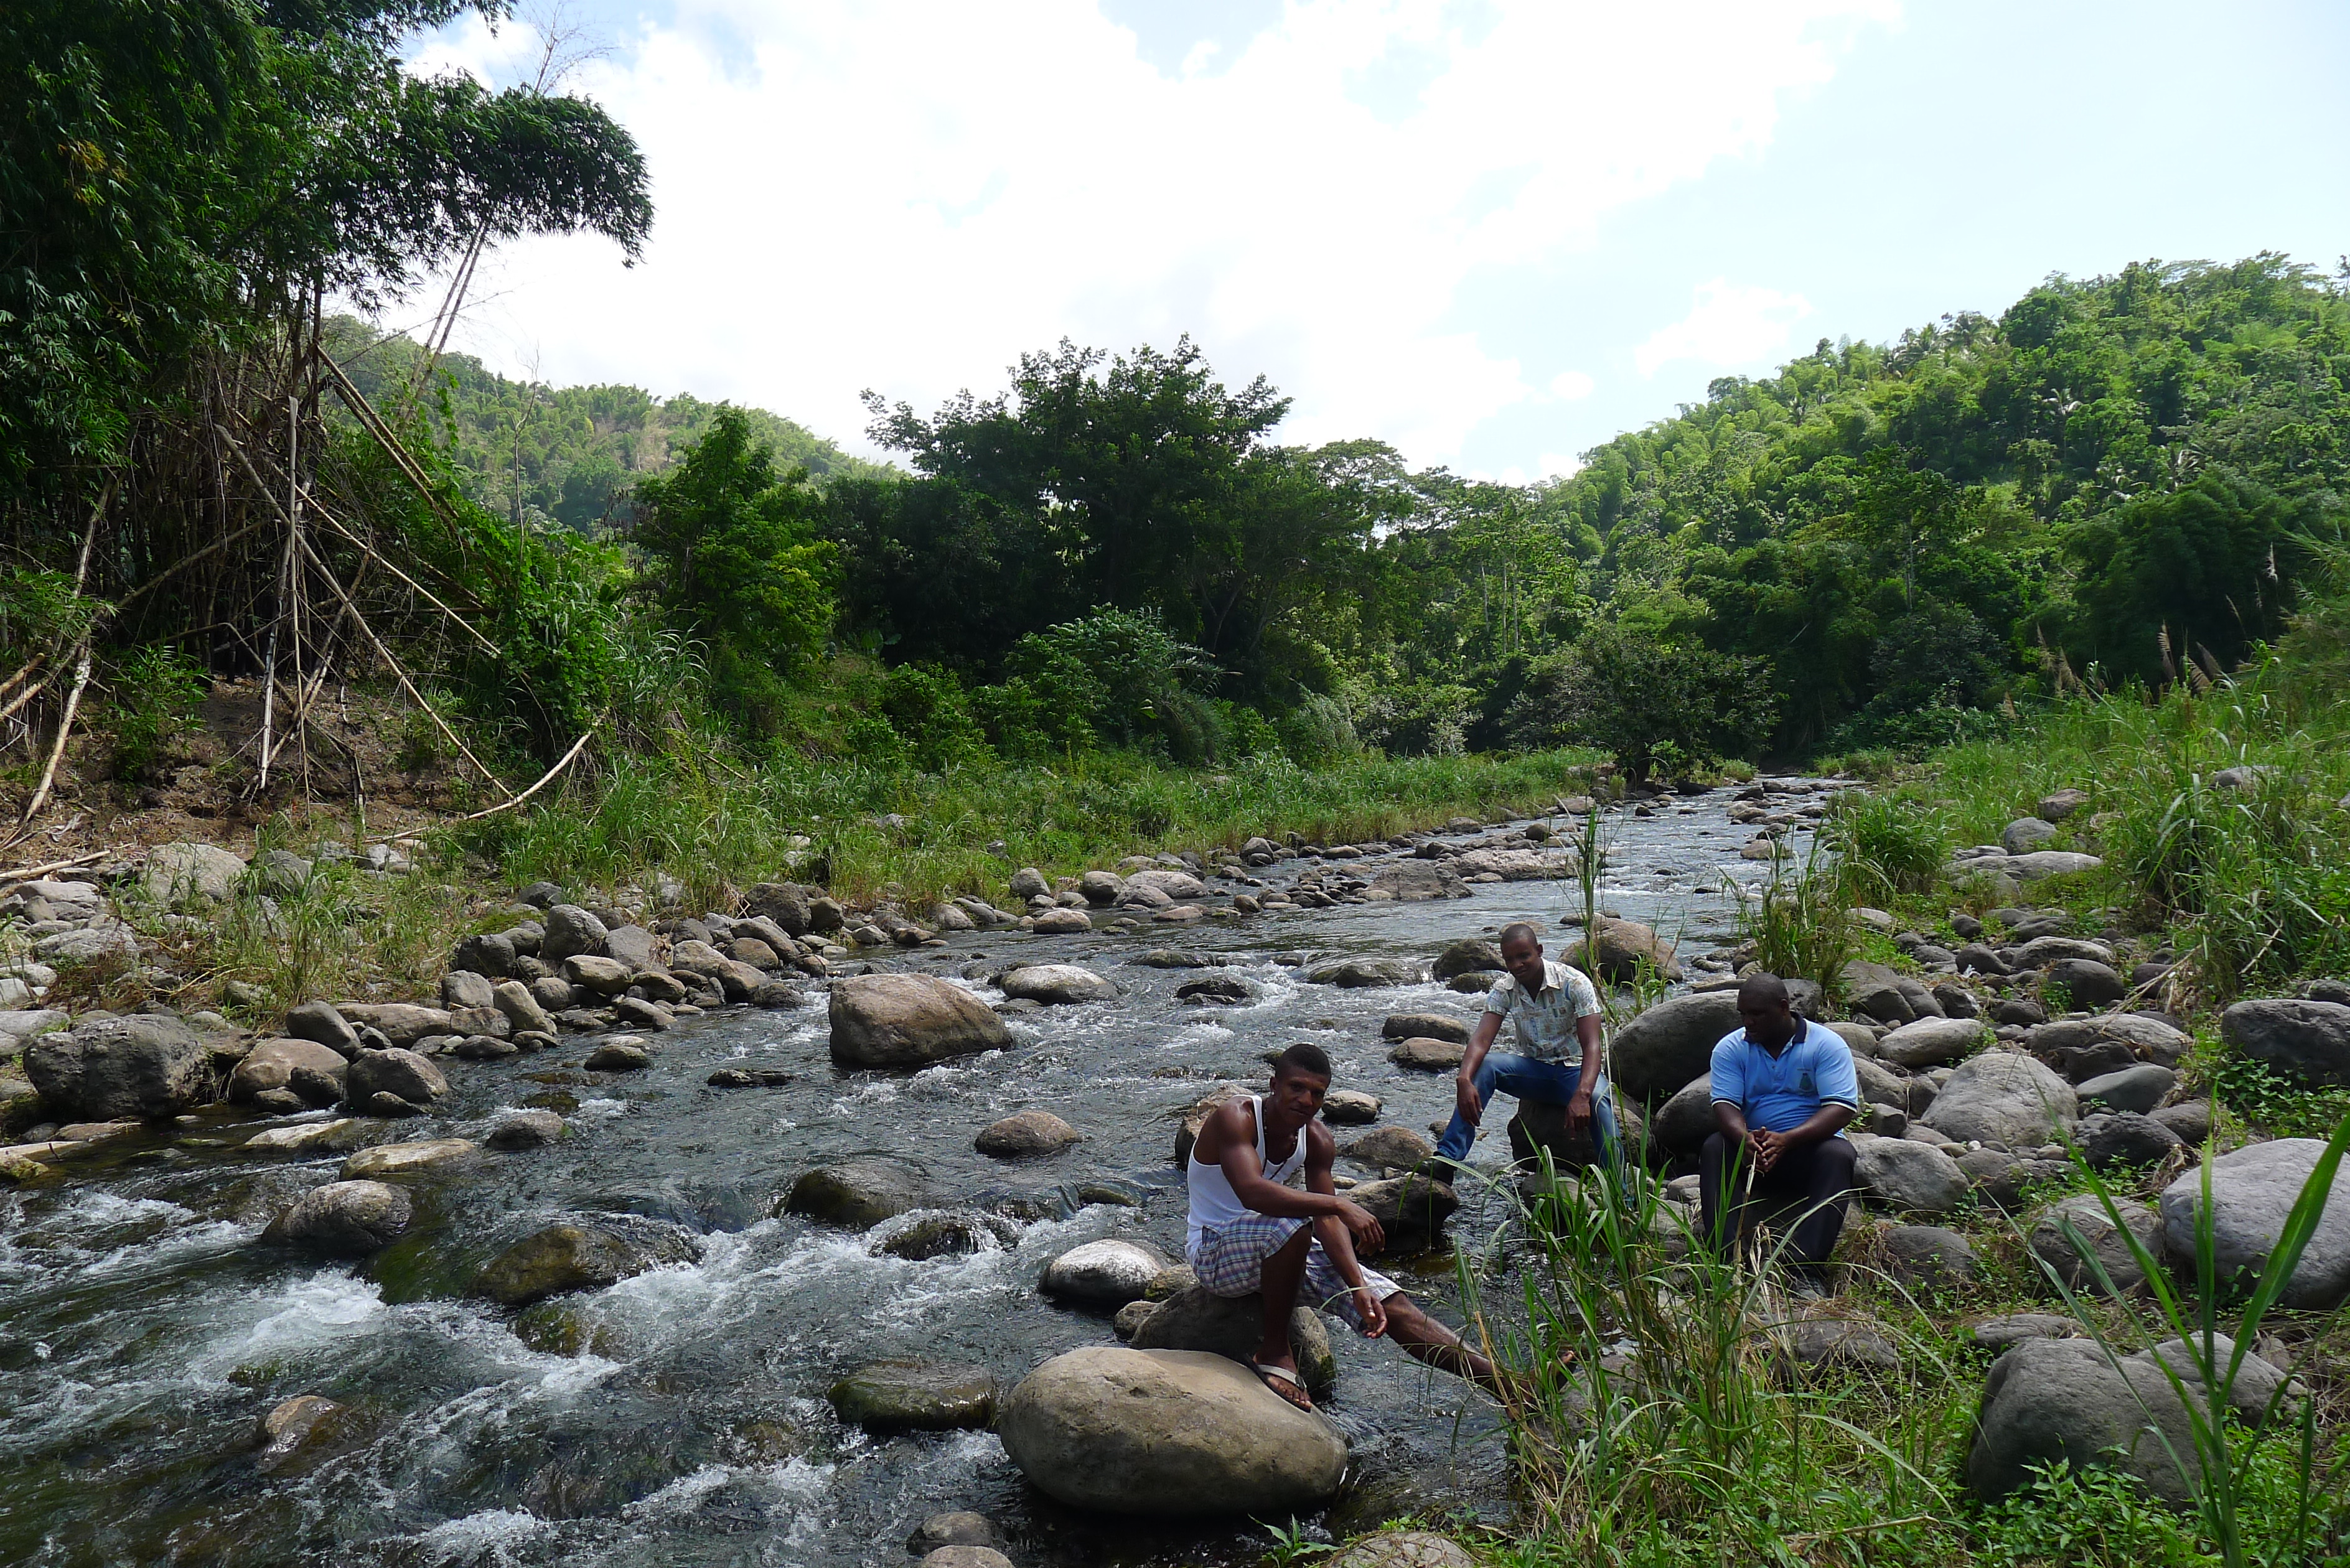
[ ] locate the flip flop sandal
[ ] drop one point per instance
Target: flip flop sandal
(1286, 1385)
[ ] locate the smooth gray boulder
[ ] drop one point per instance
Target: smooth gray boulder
(401, 1023)
(463, 988)
(1656, 1054)
(343, 1219)
(1621, 949)
(1929, 1256)
(559, 1259)
(1167, 1434)
(2140, 1088)
(1359, 975)
(2307, 1041)
(1933, 1043)
(1908, 1177)
(1107, 1274)
(1683, 1123)
(1057, 983)
(2088, 982)
(2253, 1190)
(2147, 1039)
(2025, 833)
(402, 1073)
(2005, 1097)
(909, 1020)
(1471, 955)
(1029, 1135)
(490, 953)
(179, 876)
(2126, 1139)
(1196, 1318)
(277, 1064)
(2084, 1214)
(1445, 1026)
(570, 931)
(321, 1022)
(148, 1064)
(522, 1009)
(857, 1193)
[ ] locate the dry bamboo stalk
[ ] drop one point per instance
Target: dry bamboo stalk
(508, 805)
(56, 752)
(336, 524)
(26, 873)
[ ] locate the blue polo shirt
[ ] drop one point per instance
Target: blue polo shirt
(1779, 1094)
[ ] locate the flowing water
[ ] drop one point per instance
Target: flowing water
(143, 1329)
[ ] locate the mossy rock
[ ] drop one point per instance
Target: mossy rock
(915, 1396)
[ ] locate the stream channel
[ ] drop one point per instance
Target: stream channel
(144, 1329)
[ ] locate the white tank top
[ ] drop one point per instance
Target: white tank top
(1214, 1205)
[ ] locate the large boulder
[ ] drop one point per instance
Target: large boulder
(1620, 949)
(1167, 1433)
(1471, 955)
(114, 1069)
(1405, 1549)
(1417, 881)
(857, 1193)
(634, 947)
(570, 931)
(1057, 983)
(1425, 1026)
(2147, 1039)
(311, 1070)
(2069, 1401)
(1661, 1050)
(1907, 1176)
(1410, 1209)
(1357, 974)
(321, 1022)
(2025, 833)
(1196, 1318)
(488, 953)
(2308, 1042)
(1683, 1123)
(182, 874)
(1103, 1274)
(2139, 1088)
(402, 1023)
(1541, 1125)
(2253, 1190)
(1933, 1043)
(1888, 994)
(523, 1014)
(1191, 1118)
(343, 1219)
(786, 903)
(909, 1020)
(403, 1074)
(2005, 1097)
(2085, 980)
(2062, 1229)
(558, 1259)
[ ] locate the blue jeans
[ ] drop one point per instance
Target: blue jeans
(1551, 1082)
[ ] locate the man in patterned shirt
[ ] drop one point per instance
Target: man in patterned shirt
(1555, 1010)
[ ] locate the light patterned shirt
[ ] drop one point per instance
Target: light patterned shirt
(1545, 1024)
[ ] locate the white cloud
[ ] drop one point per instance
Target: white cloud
(1557, 464)
(909, 197)
(1570, 386)
(1726, 325)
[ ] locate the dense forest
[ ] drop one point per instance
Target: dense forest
(210, 472)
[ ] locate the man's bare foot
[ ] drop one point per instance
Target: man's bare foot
(1284, 1382)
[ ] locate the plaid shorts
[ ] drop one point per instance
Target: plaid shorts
(1230, 1262)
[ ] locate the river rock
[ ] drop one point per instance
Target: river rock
(1540, 1125)
(1469, 955)
(340, 1136)
(604, 977)
(401, 1023)
(1028, 1136)
(946, 1234)
(1886, 993)
(2191, 1120)
(956, 1528)
(1350, 1107)
(558, 1259)
(1396, 1149)
(908, 1396)
(2051, 1400)
(1103, 1274)
(857, 1193)
(1057, 983)
(1418, 881)
(2025, 833)
(526, 1129)
(570, 931)
(2138, 1088)
(1167, 1433)
(523, 1014)
(1683, 1123)
(1425, 1026)
(488, 953)
(1404, 1549)
(1656, 1055)
(2086, 1213)
(110, 1069)
(2006, 1098)
(909, 1020)
(343, 1219)
(2253, 1190)
(294, 1430)
(1426, 1055)
(1196, 1318)
(1356, 975)
(2307, 1041)
(465, 989)
(2147, 1039)
(407, 1159)
(1100, 889)
(1061, 922)
(1929, 1256)
(271, 1064)
(1618, 950)
(2088, 982)
(1933, 1043)
(2126, 1139)
(1999, 1332)
(179, 876)
(403, 1075)
(1410, 1209)
(1908, 1177)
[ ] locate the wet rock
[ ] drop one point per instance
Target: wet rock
(1103, 1274)
(1172, 958)
(639, 1014)
(1167, 1433)
(1425, 1026)
(777, 995)
(1671, 1044)
(1933, 1042)
(1350, 1107)
(1410, 1209)
(148, 1064)
(619, 1056)
(483, 1048)
(2126, 1140)
(2084, 1215)
(1057, 983)
(1196, 1318)
(947, 1235)
(2004, 1097)
(408, 1158)
(907, 1395)
(296, 1432)
(526, 1129)
(909, 1020)
(1397, 1148)
(749, 1078)
(2253, 1190)
(1425, 1055)
(2307, 1041)
(1028, 1136)
(1061, 922)
(571, 931)
(1404, 1549)
(559, 1259)
(403, 1023)
(1927, 1256)
(965, 1557)
(340, 1136)
(956, 1528)
(1908, 1177)
(343, 1219)
(856, 1193)
(319, 1021)
(1621, 951)
(1418, 881)
(1194, 1116)
(1215, 991)
(1467, 956)
(1357, 974)
(273, 1065)
(403, 1075)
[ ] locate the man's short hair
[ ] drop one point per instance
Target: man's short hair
(1304, 1057)
(1766, 989)
(1517, 930)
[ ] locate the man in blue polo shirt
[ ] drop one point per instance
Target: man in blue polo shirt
(1783, 1090)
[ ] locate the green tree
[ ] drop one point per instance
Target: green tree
(1649, 702)
(2201, 572)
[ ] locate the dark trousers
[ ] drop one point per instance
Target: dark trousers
(1810, 1186)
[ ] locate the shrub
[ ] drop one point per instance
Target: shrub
(1643, 699)
(1889, 846)
(158, 697)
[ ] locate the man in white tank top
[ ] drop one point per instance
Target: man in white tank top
(1250, 1231)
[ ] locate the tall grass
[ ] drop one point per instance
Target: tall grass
(1800, 918)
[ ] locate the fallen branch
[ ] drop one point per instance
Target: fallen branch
(56, 752)
(27, 873)
(377, 556)
(508, 805)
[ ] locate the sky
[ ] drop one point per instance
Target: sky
(1491, 233)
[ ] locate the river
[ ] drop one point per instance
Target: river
(143, 1329)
